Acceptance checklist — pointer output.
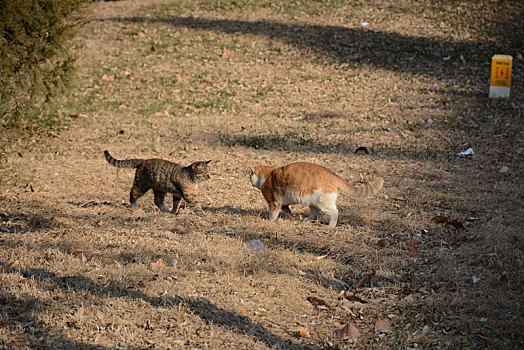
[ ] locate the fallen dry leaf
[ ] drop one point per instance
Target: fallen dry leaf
(354, 298)
(350, 331)
(182, 79)
(161, 114)
(365, 279)
(321, 301)
(440, 218)
(191, 108)
(108, 78)
(303, 332)
(414, 252)
(382, 326)
(457, 224)
(482, 335)
(355, 305)
(158, 265)
(383, 243)
(225, 53)
(412, 242)
(23, 280)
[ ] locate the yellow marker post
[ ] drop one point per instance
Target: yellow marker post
(500, 83)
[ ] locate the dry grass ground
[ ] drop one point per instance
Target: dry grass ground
(246, 83)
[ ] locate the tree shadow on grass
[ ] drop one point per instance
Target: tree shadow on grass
(392, 51)
(301, 144)
(18, 311)
(207, 311)
(228, 209)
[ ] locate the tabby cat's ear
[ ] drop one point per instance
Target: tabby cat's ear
(209, 161)
(251, 170)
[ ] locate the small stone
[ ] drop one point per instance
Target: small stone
(503, 169)
(256, 246)
(383, 243)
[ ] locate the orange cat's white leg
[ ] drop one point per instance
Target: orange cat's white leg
(328, 204)
(333, 216)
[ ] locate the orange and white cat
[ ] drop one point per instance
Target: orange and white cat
(308, 184)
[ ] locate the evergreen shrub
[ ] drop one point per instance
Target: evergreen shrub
(35, 57)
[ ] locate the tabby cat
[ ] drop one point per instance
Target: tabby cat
(307, 184)
(164, 177)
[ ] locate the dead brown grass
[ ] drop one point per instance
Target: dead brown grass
(255, 84)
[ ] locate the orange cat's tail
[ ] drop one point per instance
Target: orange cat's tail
(365, 191)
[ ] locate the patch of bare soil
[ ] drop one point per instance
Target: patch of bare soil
(435, 260)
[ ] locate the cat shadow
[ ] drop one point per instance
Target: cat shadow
(228, 209)
(261, 213)
(91, 203)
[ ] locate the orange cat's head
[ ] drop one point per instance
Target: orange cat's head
(259, 174)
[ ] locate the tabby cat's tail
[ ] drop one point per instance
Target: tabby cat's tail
(365, 191)
(130, 163)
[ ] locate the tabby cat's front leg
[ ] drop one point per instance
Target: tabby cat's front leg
(176, 203)
(193, 203)
(137, 191)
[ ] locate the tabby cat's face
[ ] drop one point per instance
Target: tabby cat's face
(201, 171)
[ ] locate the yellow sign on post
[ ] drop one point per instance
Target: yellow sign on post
(500, 83)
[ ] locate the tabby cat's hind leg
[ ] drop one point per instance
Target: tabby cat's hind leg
(135, 193)
(159, 200)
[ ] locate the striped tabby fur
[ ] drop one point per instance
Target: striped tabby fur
(307, 184)
(164, 177)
